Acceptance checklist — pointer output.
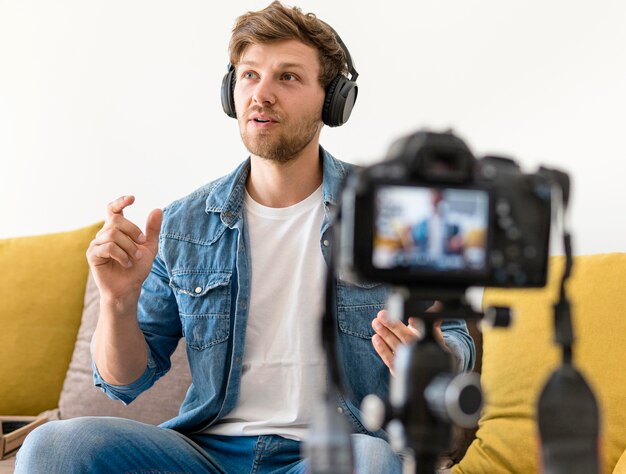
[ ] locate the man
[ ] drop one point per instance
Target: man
(437, 236)
(237, 268)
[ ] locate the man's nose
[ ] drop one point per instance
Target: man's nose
(264, 92)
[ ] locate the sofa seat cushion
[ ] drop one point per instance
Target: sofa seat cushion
(517, 362)
(42, 286)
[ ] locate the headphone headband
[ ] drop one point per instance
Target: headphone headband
(349, 63)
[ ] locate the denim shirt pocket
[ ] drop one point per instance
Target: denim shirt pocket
(204, 306)
(357, 306)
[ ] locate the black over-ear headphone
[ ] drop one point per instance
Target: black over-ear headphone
(340, 94)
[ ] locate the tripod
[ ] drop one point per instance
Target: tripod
(426, 395)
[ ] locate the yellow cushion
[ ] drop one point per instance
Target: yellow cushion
(517, 362)
(42, 286)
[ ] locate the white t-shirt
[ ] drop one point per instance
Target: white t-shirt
(283, 365)
(436, 237)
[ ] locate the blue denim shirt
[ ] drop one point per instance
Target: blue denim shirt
(199, 286)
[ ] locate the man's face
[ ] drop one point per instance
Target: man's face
(279, 99)
(435, 198)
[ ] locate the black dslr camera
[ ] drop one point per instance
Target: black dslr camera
(432, 220)
(433, 216)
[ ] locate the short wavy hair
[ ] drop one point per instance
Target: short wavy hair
(277, 22)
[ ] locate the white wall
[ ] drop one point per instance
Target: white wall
(103, 98)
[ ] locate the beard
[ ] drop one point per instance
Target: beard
(280, 146)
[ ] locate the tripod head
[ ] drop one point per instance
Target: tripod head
(427, 397)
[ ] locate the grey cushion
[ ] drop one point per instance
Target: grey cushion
(79, 397)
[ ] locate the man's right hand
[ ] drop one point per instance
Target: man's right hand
(121, 255)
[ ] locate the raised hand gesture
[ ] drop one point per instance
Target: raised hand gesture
(121, 255)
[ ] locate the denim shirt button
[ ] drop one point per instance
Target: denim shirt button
(198, 290)
(326, 243)
(339, 410)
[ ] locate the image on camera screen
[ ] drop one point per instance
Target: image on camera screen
(430, 228)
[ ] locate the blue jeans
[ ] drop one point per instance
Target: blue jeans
(117, 445)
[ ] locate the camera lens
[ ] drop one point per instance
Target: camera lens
(455, 398)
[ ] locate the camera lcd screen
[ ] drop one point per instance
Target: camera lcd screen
(430, 229)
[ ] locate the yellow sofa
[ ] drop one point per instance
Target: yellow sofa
(517, 361)
(48, 311)
(48, 306)
(42, 290)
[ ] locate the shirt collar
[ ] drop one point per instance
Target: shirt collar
(226, 194)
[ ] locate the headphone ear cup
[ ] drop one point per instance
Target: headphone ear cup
(227, 95)
(340, 98)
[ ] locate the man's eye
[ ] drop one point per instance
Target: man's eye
(289, 77)
(248, 75)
